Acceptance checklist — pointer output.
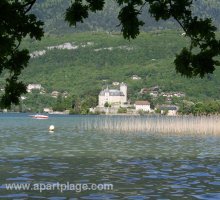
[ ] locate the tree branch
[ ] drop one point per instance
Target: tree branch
(142, 6)
(30, 5)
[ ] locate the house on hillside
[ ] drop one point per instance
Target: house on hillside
(31, 87)
(153, 91)
(113, 97)
(136, 77)
(115, 83)
(170, 110)
(55, 94)
(173, 94)
(155, 88)
(23, 97)
(142, 105)
(144, 91)
(48, 110)
(65, 94)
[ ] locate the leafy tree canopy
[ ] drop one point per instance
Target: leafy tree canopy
(198, 59)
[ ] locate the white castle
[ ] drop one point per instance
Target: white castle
(113, 97)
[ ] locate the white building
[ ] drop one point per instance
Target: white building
(115, 83)
(169, 110)
(113, 97)
(31, 87)
(48, 110)
(136, 77)
(55, 94)
(23, 97)
(142, 105)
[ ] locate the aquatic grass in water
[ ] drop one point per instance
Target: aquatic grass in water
(153, 124)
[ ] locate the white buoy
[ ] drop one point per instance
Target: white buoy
(51, 128)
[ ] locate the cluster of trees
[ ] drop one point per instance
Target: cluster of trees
(34, 102)
(200, 108)
(122, 110)
(76, 104)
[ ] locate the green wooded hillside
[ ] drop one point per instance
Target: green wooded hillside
(96, 60)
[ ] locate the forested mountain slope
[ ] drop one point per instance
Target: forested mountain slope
(52, 13)
(83, 63)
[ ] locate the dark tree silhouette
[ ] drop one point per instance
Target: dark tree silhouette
(15, 24)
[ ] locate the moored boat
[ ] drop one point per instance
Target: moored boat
(37, 116)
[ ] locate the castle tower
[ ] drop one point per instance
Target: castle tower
(123, 88)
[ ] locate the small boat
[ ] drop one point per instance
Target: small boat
(37, 116)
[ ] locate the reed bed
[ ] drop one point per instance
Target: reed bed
(153, 124)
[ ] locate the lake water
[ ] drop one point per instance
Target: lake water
(139, 165)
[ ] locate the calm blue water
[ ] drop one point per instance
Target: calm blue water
(140, 166)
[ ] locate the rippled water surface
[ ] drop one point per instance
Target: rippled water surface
(139, 165)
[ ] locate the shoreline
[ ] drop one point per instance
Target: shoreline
(112, 114)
